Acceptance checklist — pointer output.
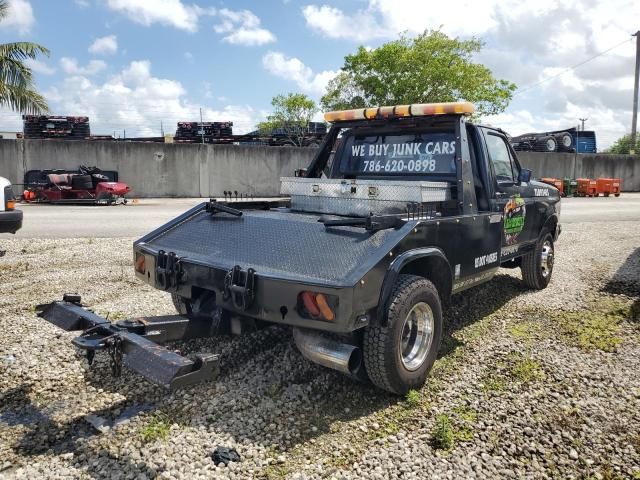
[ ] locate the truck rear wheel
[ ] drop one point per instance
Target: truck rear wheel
(399, 355)
(537, 265)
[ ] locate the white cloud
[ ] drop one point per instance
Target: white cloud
(165, 12)
(188, 56)
(104, 45)
(242, 27)
(19, 16)
(71, 67)
(39, 66)
(137, 101)
(525, 42)
(295, 70)
(334, 23)
(82, 3)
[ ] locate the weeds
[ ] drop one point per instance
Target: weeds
(493, 383)
(455, 428)
(157, 429)
(527, 370)
(442, 435)
(589, 330)
(413, 398)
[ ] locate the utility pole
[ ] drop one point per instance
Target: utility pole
(201, 126)
(634, 122)
(583, 120)
(161, 129)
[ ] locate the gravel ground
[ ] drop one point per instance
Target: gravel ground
(528, 385)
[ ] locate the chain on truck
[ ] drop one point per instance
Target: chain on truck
(400, 208)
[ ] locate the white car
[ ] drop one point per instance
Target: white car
(10, 218)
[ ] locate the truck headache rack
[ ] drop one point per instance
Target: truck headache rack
(137, 342)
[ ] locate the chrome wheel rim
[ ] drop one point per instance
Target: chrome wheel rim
(417, 336)
(551, 144)
(546, 258)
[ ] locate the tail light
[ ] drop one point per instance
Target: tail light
(9, 200)
(141, 266)
(317, 306)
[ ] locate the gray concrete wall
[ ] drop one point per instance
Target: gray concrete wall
(592, 165)
(163, 169)
(179, 170)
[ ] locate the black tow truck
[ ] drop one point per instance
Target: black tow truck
(400, 208)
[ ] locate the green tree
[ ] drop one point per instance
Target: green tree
(623, 145)
(17, 90)
(428, 68)
(291, 115)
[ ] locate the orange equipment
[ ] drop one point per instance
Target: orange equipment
(608, 186)
(556, 182)
(587, 187)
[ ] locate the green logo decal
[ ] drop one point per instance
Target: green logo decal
(515, 212)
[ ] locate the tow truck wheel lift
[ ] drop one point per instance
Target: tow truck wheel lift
(137, 342)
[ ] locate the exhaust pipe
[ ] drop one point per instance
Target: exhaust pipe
(319, 349)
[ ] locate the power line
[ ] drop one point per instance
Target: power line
(568, 69)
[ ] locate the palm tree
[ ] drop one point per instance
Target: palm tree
(17, 90)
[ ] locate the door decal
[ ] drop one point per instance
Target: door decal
(515, 212)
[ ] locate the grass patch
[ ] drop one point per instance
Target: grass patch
(157, 429)
(597, 328)
(413, 398)
(591, 330)
(451, 429)
(493, 383)
(527, 370)
(275, 472)
(442, 436)
(526, 331)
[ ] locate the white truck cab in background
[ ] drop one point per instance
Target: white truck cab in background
(10, 218)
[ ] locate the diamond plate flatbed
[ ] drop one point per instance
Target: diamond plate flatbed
(277, 243)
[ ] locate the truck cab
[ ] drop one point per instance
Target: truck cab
(10, 217)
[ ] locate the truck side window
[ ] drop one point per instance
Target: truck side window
(503, 166)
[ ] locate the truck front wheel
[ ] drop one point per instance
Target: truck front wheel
(537, 265)
(399, 355)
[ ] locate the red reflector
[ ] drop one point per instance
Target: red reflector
(309, 303)
(140, 263)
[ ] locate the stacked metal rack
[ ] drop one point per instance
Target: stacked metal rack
(49, 126)
(206, 132)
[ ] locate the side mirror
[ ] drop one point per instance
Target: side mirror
(525, 176)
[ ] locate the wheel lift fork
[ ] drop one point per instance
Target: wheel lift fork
(137, 342)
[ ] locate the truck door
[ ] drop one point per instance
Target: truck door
(513, 200)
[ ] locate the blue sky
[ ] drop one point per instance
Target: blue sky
(130, 64)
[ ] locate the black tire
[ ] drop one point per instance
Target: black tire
(383, 346)
(537, 268)
(565, 140)
(547, 144)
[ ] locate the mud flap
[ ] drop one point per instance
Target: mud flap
(132, 343)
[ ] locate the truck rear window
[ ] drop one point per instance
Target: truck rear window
(410, 154)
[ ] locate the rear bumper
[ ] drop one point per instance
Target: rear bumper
(275, 300)
(11, 221)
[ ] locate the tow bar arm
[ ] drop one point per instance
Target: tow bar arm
(136, 343)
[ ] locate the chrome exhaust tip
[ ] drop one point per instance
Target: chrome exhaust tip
(318, 348)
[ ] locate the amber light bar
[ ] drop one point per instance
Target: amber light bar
(413, 110)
